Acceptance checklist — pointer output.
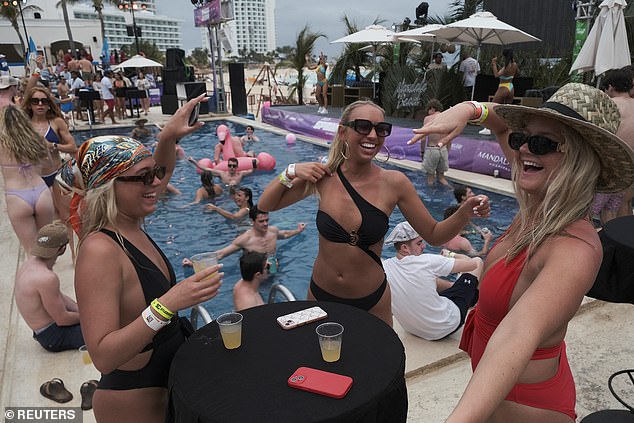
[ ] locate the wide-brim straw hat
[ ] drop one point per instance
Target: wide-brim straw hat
(596, 118)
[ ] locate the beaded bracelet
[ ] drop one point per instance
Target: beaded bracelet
(161, 309)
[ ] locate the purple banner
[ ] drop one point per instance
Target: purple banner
(468, 154)
(208, 14)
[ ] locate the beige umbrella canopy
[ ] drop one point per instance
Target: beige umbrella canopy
(373, 35)
(606, 46)
(137, 61)
(482, 28)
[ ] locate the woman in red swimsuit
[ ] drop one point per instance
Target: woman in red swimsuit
(538, 272)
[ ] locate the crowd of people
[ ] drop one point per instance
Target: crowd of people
(569, 159)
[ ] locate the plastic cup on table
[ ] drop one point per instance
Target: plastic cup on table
(85, 355)
(230, 325)
(330, 336)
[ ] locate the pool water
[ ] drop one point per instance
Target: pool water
(182, 230)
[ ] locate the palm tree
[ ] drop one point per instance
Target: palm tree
(12, 13)
(462, 9)
(98, 5)
(303, 46)
(354, 56)
(71, 42)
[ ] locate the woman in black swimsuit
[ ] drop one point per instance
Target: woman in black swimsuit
(120, 272)
(356, 198)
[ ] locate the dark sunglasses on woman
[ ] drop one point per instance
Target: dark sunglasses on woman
(36, 101)
(537, 144)
(364, 127)
(146, 177)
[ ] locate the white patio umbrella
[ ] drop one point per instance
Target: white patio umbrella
(373, 35)
(482, 28)
(606, 46)
(138, 61)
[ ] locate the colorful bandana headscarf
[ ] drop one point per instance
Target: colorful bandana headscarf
(99, 160)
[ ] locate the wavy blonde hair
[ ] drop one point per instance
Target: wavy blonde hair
(338, 147)
(18, 137)
(568, 196)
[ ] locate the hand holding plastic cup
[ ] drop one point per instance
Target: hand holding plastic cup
(230, 325)
(85, 355)
(330, 336)
(204, 260)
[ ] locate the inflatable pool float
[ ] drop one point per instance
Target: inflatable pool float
(263, 161)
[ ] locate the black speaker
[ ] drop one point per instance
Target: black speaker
(129, 30)
(193, 89)
(169, 104)
(238, 91)
(174, 58)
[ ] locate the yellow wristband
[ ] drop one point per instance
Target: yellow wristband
(161, 309)
(284, 180)
(452, 254)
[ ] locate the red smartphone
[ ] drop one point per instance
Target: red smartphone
(320, 382)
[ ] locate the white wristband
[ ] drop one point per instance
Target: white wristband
(152, 321)
(290, 171)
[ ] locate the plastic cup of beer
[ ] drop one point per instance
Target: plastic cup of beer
(330, 336)
(204, 260)
(85, 355)
(230, 325)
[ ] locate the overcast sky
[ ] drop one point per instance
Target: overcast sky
(323, 16)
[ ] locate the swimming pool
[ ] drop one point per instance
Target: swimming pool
(182, 231)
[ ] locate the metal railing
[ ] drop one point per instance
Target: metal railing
(278, 288)
(199, 311)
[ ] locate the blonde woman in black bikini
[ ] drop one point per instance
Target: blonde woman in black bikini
(505, 91)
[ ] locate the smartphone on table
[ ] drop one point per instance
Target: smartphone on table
(320, 382)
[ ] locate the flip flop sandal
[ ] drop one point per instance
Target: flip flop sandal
(55, 390)
(87, 390)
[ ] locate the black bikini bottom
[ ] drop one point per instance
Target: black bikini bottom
(364, 303)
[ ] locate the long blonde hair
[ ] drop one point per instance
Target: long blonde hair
(18, 137)
(339, 148)
(569, 194)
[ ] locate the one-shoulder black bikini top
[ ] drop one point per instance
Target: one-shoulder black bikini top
(374, 223)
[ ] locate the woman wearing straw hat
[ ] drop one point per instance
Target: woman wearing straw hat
(126, 289)
(537, 273)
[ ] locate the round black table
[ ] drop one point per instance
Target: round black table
(615, 280)
(211, 384)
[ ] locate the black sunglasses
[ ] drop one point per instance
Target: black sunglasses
(364, 127)
(146, 177)
(36, 101)
(232, 165)
(537, 144)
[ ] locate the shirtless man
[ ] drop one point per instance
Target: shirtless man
(261, 238)
(435, 156)
(459, 243)
(53, 316)
(618, 84)
(232, 177)
(253, 270)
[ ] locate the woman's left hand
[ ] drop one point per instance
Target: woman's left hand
(178, 125)
(477, 206)
(451, 122)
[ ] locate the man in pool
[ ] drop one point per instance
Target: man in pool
(254, 270)
(261, 238)
(232, 177)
